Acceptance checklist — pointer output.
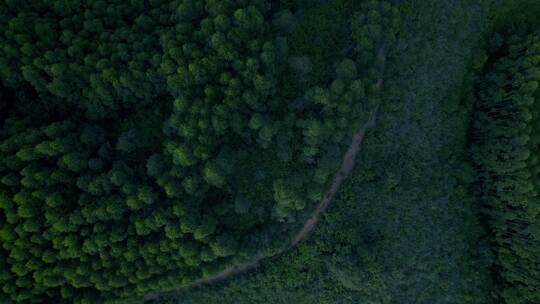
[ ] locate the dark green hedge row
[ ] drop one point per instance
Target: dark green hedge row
(506, 146)
(147, 144)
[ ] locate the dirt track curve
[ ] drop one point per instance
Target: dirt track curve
(346, 167)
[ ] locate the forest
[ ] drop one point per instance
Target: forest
(270, 151)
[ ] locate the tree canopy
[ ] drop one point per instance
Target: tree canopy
(505, 149)
(145, 132)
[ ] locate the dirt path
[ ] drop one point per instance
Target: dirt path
(346, 167)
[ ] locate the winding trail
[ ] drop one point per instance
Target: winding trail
(346, 167)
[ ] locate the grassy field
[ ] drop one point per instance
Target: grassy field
(405, 227)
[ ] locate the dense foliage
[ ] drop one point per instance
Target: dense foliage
(404, 228)
(506, 136)
(147, 144)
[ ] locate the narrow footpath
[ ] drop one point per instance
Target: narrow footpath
(346, 167)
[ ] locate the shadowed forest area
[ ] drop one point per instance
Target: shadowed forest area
(175, 150)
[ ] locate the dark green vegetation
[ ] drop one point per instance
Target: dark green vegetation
(148, 144)
(506, 139)
(405, 227)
